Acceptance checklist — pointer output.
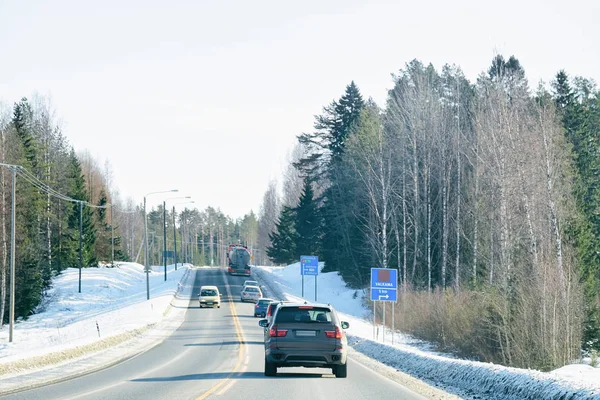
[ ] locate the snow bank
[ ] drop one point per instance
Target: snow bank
(475, 378)
(112, 301)
(465, 378)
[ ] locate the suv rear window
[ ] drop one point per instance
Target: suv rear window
(263, 302)
(304, 314)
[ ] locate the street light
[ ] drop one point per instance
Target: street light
(165, 229)
(146, 266)
(175, 230)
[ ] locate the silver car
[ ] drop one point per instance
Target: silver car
(251, 293)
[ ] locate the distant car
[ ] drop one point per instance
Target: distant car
(305, 335)
(251, 293)
(209, 297)
(250, 283)
(260, 309)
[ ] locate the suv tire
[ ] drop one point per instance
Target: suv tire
(341, 371)
(270, 369)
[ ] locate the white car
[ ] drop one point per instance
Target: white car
(209, 297)
(250, 283)
(251, 293)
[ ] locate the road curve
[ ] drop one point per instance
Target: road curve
(217, 354)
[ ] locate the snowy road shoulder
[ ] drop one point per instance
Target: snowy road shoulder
(129, 324)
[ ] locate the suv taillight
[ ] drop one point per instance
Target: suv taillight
(336, 334)
(257, 305)
(274, 332)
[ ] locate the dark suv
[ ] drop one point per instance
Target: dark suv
(305, 335)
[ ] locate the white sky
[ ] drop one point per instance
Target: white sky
(208, 97)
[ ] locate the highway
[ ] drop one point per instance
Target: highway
(217, 354)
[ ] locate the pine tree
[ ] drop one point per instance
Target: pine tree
(284, 239)
(307, 222)
(332, 128)
(325, 148)
(103, 250)
(29, 279)
(581, 120)
(78, 191)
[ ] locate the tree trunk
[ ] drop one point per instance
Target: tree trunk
(428, 186)
(404, 220)
(3, 266)
(416, 206)
(384, 200)
(492, 247)
(397, 234)
(476, 216)
(522, 187)
(552, 205)
(458, 195)
(445, 228)
(48, 211)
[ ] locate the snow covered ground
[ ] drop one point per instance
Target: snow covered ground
(468, 379)
(112, 301)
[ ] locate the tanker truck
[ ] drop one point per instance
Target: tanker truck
(238, 260)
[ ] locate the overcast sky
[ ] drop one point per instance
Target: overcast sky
(208, 97)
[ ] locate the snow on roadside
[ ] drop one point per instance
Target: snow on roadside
(112, 301)
(463, 377)
(332, 289)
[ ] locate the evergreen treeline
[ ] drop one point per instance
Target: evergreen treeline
(483, 195)
(48, 223)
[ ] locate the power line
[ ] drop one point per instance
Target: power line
(33, 180)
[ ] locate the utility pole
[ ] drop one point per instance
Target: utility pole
(175, 238)
(12, 253)
(112, 235)
(146, 268)
(183, 244)
(80, 241)
(165, 236)
(146, 265)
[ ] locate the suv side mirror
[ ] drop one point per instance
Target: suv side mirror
(263, 323)
(220, 294)
(345, 325)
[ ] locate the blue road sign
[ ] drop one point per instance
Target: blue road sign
(384, 284)
(309, 265)
(383, 294)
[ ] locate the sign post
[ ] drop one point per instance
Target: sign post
(384, 287)
(309, 265)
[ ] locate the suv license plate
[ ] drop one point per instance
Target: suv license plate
(306, 333)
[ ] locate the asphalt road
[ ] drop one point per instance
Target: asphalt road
(217, 354)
